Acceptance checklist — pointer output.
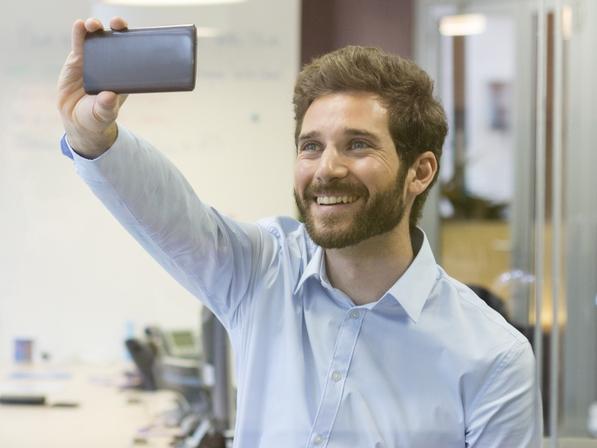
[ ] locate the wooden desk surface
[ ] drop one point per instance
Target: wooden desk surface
(106, 416)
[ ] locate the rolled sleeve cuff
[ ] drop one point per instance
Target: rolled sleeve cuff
(69, 152)
(91, 168)
(65, 148)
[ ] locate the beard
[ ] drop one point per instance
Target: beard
(380, 213)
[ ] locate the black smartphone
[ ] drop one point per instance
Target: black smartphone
(158, 59)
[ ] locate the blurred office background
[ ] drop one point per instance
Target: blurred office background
(514, 214)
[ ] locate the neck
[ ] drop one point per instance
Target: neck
(368, 269)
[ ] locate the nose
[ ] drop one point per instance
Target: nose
(332, 165)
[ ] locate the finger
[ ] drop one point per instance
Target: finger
(92, 24)
(105, 107)
(78, 37)
(118, 23)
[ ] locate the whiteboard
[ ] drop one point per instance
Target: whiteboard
(66, 267)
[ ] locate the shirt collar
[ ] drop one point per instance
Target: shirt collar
(315, 267)
(413, 287)
(410, 291)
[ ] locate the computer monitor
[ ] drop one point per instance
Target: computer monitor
(181, 344)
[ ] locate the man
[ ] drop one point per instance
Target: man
(346, 332)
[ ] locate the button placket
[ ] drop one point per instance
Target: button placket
(318, 439)
(336, 376)
(334, 387)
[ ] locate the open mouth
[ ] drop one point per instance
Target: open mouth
(335, 200)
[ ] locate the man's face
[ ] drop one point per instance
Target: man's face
(348, 180)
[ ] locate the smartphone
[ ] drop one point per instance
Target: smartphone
(141, 60)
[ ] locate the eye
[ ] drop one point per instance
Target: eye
(310, 147)
(359, 144)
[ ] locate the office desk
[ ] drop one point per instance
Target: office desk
(106, 416)
(573, 443)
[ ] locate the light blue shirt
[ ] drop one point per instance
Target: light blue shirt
(428, 365)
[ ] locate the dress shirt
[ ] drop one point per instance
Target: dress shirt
(427, 365)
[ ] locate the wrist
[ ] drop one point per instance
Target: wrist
(92, 145)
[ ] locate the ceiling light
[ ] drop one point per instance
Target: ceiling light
(462, 25)
(567, 21)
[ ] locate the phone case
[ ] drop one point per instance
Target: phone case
(159, 59)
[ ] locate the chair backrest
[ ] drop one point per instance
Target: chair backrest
(143, 355)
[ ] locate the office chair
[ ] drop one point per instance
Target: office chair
(143, 355)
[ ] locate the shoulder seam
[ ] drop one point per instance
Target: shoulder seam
(508, 327)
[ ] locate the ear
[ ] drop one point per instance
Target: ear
(421, 173)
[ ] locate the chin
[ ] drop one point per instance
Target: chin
(332, 238)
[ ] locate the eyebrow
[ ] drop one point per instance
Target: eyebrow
(362, 133)
(353, 132)
(309, 135)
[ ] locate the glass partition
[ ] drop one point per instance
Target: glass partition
(514, 215)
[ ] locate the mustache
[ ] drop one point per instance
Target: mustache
(336, 189)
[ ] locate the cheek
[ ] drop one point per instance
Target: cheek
(302, 176)
(373, 173)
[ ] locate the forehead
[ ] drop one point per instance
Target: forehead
(337, 111)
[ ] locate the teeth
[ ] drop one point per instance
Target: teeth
(329, 200)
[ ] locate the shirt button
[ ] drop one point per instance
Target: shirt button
(354, 314)
(317, 440)
(336, 376)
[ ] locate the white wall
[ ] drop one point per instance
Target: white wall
(70, 277)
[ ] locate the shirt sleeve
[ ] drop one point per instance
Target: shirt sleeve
(216, 258)
(507, 410)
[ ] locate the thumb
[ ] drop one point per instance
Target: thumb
(105, 107)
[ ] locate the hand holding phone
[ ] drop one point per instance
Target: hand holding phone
(160, 59)
(92, 83)
(89, 120)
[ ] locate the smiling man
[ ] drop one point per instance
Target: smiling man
(345, 330)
